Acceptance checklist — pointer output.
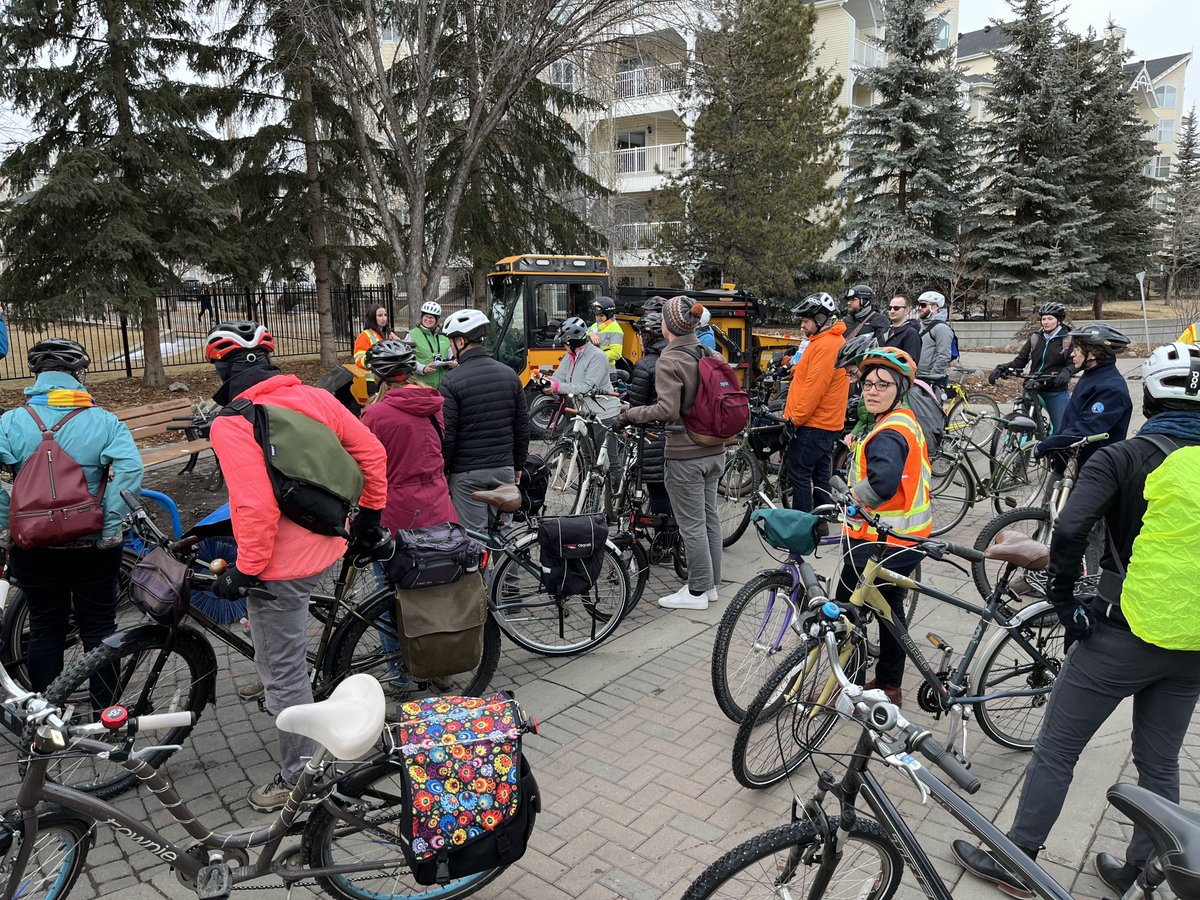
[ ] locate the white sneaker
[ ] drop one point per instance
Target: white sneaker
(712, 594)
(684, 599)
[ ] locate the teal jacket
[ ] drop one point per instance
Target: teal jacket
(95, 439)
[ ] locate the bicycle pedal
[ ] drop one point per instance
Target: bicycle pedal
(937, 641)
(214, 882)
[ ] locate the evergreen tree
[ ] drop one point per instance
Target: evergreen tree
(114, 189)
(1179, 237)
(755, 202)
(909, 162)
(1033, 231)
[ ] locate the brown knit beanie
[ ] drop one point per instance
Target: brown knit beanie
(682, 315)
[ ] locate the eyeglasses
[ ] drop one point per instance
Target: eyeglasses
(894, 308)
(877, 387)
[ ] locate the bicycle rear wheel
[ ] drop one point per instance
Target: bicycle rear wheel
(1018, 479)
(975, 419)
(735, 492)
(556, 626)
(951, 496)
(1007, 666)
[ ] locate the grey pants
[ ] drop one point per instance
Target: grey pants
(692, 487)
(1099, 673)
(471, 513)
(279, 629)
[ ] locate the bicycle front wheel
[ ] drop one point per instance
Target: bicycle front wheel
(951, 496)
(373, 797)
(789, 861)
(368, 642)
(58, 856)
(751, 641)
(974, 419)
(793, 713)
(735, 492)
(1008, 666)
(567, 464)
(556, 626)
(1018, 479)
(158, 671)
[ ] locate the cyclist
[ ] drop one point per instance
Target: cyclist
(889, 476)
(705, 334)
(1101, 401)
(584, 369)
(642, 393)
(282, 556)
(374, 330)
(1141, 636)
(605, 331)
(692, 469)
(487, 422)
(861, 315)
(816, 401)
(848, 359)
(430, 346)
(1048, 353)
(78, 582)
(937, 339)
(407, 418)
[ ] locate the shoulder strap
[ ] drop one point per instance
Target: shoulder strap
(240, 407)
(437, 426)
(1165, 445)
(61, 422)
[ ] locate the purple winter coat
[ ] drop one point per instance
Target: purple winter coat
(417, 492)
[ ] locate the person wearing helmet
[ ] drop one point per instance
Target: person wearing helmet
(432, 348)
(1100, 403)
(848, 360)
(861, 315)
(937, 340)
(1140, 636)
(376, 328)
(1047, 353)
(705, 334)
(605, 331)
(643, 392)
(583, 370)
(816, 402)
(486, 436)
(902, 332)
(889, 477)
(72, 587)
(274, 552)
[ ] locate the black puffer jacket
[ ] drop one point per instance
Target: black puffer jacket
(642, 393)
(487, 421)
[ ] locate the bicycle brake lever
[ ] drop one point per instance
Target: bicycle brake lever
(907, 763)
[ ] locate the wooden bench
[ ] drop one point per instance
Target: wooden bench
(167, 417)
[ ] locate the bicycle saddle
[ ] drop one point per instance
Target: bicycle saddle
(1020, 550)
(1174, 831)
(506, 497)
(347, 724)
(1021, 425)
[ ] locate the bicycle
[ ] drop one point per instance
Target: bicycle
(967, 412)
(747, 482)
(570, 459)
(1007, 689)
(853, 853)
(351, 842)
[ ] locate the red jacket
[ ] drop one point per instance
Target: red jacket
(417, 492)
(269, 545)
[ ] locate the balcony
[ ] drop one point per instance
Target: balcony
(665, 158)
(867, 55)
(637, 235)
(648, 81)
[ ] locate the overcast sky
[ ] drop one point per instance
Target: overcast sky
(1154, 28)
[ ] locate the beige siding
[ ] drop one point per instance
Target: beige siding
(831, 37)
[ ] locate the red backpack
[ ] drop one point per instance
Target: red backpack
(721, 409)
(51, 503)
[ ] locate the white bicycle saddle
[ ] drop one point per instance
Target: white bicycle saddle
(347, 723)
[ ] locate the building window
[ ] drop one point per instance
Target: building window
(942, 41)
(1159, 202)
(631, 152)
(1165, 97)
(1166, 131)
(1159, 168)
(562, 74)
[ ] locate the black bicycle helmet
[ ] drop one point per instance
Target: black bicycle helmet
(605, 306)
(819, 307)
(1105, 337)
(852, 352)
(1053, 309)
(650, 324)
(573, 329)
(58, 355)
(863, 292)
(654, 304)
(391, 359)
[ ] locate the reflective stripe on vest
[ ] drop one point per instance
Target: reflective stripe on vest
(360, 356)
(909, 512)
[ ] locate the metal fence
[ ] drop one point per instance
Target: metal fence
(186, 317)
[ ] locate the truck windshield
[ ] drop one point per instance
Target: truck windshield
(506, 309)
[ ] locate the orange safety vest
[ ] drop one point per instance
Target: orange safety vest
(909, 511)
(361, 347)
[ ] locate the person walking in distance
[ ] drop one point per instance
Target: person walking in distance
(692, 469)
(1140, 635)
(434, 355)
(937, 340)
(375, 329)
(275, 554)
(816, 402)
(861, 315)
(487, 422)
(902, 333)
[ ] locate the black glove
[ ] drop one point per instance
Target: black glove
(995, 374)
(366, 532)
(233, 584)
(1077, 625)
(1063, 378)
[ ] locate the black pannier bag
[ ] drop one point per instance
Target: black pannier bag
(437, 554)
(572, 553)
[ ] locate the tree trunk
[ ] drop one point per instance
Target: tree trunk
(155, 374)
(479, 287)
(1098, 304)
(1012, 308)
(316, 217)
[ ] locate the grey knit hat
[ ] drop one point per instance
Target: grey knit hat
(682, 315)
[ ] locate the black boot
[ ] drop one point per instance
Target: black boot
(982, 864)
(1117, 876)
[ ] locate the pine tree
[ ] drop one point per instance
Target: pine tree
(115, 188)
(766, 143)
(1179, 238)
(909, 149)
(1032, 235)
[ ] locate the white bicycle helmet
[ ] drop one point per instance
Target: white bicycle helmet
(432, 309)
(468, 323)
(933, 298)
(1173, 373)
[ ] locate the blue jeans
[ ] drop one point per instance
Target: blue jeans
(1056, 405)
(809, 466)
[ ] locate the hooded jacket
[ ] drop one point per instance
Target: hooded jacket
(676, 381)
(271, 546)
(428, 345)
(417, 492)
(937, 337)
(819, 392)
(95, 439)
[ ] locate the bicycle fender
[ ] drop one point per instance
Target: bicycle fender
(119, 639)
(216, 523)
